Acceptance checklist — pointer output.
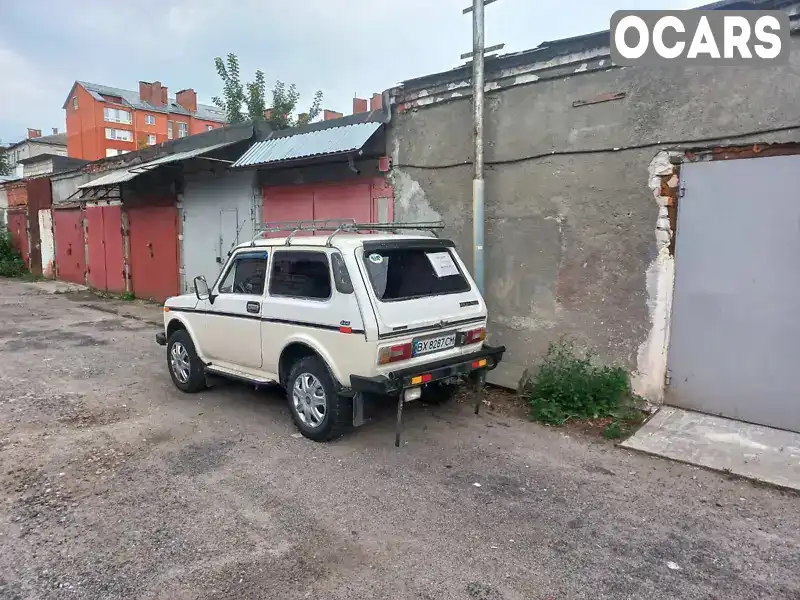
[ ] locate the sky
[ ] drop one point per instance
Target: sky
(342, 47)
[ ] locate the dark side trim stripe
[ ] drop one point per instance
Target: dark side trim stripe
(260, 318)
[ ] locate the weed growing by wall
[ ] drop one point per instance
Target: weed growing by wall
(11, 264)
(569, 386)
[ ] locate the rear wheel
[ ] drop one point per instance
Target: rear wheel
(319, 412)
(183, 363)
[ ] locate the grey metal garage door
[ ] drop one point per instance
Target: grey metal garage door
(736, 308)
(217, 214)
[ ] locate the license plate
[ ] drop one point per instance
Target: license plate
(434, 344)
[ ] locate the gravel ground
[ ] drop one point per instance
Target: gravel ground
(116, 485)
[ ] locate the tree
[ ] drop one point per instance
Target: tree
(232, 92)
(237, 96)
(5, 166)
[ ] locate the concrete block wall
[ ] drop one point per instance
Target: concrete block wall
(577, 239)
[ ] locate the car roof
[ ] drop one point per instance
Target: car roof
(342, 241)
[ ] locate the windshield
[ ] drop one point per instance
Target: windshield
(406, 273)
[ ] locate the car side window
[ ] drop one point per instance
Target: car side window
(246, 275)
(300, 275)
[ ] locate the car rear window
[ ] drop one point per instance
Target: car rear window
(406, 273)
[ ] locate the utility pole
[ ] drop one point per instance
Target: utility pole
(478, 186)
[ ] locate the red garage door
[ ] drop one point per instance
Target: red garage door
(70, 244)
(94, 241)
(154, 251)
(365, 201)
(18, 228)
(104, 237)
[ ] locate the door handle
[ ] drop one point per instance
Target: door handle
(253, 307)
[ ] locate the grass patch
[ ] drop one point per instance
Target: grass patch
(11, 263)
(568, 386)
(127, 297)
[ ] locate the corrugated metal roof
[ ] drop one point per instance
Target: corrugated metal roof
(334, 140)
(179, 156)
(123, 175)
(111, 178)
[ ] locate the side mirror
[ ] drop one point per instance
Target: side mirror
(201, 288)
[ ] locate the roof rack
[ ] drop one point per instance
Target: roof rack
(340, 225)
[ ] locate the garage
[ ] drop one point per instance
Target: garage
(335, 169)
(70, 244)
(735, 317)
(153, 234)
(106, 269)
(216, 215)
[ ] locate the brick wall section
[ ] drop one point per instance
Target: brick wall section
(17, 194)
(187, 99)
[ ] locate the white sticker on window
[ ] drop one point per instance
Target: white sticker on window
(375, 258)
(442, 263)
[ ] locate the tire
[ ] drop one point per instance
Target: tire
(437, 393)
(193, 378)
(309, 388)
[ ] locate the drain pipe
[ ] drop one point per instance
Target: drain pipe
(386, 99)
(478, 187)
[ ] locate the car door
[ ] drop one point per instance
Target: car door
(230, 331)
(299, 303)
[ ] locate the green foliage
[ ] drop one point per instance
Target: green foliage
(5, 166)
(570, 387)
(614, 431)
(232, 91)
(236, 97)
(11, 264)
(255, 99)
(127, 296)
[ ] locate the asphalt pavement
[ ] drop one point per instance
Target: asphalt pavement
(116, 485)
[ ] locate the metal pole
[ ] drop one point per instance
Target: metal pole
(478, 188)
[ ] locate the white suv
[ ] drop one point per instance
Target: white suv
(333, 319)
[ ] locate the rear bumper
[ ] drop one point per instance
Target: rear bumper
(399, 380)
(161, 338)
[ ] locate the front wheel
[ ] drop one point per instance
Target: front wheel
(183, 363)
(319, 412)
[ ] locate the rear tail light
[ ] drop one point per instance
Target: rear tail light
(476, 335)
(390, 354)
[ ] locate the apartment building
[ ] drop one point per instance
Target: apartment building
(105, 121)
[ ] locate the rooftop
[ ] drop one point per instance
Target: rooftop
(279, 147)
(554, 50)
(132, 99)
(49, 156)
(321, 138)
(58, 139)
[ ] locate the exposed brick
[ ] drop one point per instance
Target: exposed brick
(187, 99)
